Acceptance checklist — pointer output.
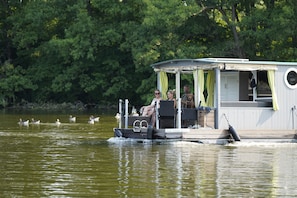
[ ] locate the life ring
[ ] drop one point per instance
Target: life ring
(136, 126)
(143, 124)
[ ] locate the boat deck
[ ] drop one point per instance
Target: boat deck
(206, 135)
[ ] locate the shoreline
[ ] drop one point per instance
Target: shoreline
(65, 106)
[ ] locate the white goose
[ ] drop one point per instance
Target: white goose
(23, 123)
(35, 121)
(58, 123)
(72, 119)
(96, 119)
(91, 121)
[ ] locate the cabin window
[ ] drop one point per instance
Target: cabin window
(230, 86)
(245, 89)
(263, 89)
(290, 78)
(258, 85)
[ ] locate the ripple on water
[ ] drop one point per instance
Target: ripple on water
(83, 161)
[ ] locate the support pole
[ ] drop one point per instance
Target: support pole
(120, 112)
(178, 99)
(196, 88)
(157, 116)
(179, 111)
(177, 85)
(126, 112)
(159, 81)
(218, 97)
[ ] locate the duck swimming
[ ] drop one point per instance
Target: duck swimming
(35, 121)
(58, 122)
(72, 119)
(23, 123)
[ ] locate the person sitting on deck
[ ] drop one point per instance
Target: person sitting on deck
(170, 96)
(187, 100)
(149, 110)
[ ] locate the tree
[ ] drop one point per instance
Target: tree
(12, 83)
(99, 51)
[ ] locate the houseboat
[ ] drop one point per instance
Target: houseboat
(235, 100)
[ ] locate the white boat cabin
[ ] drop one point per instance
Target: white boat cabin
(252, 95)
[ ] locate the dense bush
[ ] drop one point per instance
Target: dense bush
(99, 51)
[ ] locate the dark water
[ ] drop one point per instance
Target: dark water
(82, 160)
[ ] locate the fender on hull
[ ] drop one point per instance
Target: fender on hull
(233, 133)
(118, 133)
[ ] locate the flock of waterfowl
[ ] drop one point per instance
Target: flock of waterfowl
(72, 119)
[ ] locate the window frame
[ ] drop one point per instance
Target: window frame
(286, 78)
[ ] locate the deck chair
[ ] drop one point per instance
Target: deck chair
(167, 114)
(188, 116)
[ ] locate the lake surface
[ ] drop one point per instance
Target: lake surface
(83, 160)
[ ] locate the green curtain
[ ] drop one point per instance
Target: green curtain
(195, 76)
(164, 84)
(201, 86)
(210, 88)
(270, 76)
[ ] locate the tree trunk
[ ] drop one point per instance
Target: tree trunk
(238, 51)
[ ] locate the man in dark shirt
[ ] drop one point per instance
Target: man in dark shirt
(187, 100)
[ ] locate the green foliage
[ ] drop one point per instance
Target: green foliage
(13, 81)
(98, 51)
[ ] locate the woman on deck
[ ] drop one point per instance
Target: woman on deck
(170, 96)
(150, 109)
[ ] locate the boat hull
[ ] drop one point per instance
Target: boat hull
(205, 135)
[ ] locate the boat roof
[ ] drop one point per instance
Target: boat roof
(189, 65)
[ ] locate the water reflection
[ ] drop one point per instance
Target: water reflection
(195, 170)
(79, 160)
